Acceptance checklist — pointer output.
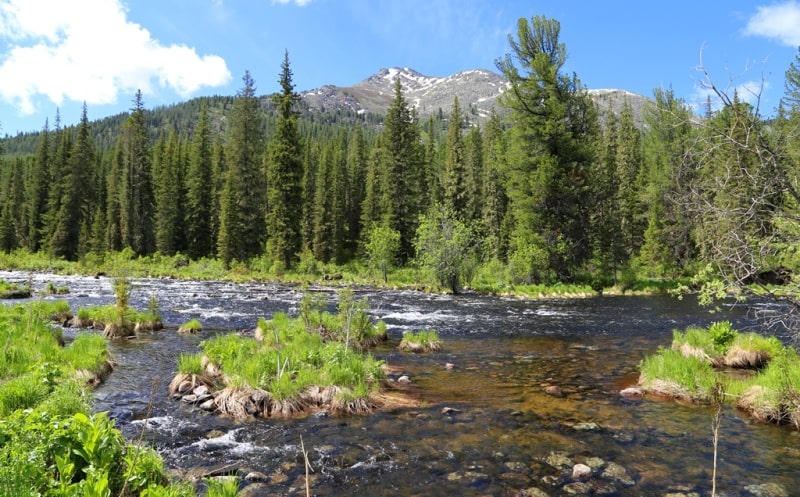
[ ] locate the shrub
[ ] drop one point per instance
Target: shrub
(190, 364)
(721, 334)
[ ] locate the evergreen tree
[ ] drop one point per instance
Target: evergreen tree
(454, 175)
(241, 227)
(37, 189)
(605, 217)
(554, 133)
(629, 165)
(74, 215)
(405, 171)
(200, 191)
(62, 140)
(168, 175)
(285, 175)
(114, 195)
(12, 208)
(493, 193)
(354, 194)
(375, 207)
(137, 203)
(474, 173)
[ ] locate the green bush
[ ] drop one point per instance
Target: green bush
(721, 334)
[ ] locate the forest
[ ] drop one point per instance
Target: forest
(543, 192)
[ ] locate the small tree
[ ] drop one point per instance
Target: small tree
(382, 248)
(448, 246)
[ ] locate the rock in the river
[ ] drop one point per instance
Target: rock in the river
(554, 390)
(255, 490)
(615, 472)
(256, 476)
(558, 460)
(404, 379)
(681, 494)
(632, 392)
(588, 426)
(577, 488)
(533, 492)
(767, 490)
(581, 472)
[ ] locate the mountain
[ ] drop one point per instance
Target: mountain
(478, 92)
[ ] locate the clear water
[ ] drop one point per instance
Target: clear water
(504, 424)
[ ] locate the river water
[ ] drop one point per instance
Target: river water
(485, 427)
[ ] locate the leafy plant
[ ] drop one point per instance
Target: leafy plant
(721, 334)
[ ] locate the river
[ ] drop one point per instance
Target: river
(485, 427)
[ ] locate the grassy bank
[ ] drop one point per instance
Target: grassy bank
(50, 444)
(757, 374)
(289, 366)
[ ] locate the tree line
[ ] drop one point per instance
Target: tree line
(544, 191)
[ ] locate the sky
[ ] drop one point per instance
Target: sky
(56, 55)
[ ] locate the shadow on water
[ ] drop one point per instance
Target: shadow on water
(485, 427)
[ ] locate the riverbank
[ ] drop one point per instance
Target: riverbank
(487, 280)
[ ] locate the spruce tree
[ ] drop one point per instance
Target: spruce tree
(12, 208)
(168, 175)
(493, 191)
(241, 226)
(554, 135)
(200, 191)
(37, 189)
(137, 203)
(405, 171)
(285, 175)
(74, 215)
(454, 175)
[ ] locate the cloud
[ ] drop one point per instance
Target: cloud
(92, 54)
(748, 91)
(780, 21)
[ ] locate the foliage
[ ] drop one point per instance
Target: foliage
(721, 334)
(382, 246)
(291, 356)
(49, 444)
(448, 246)
(190, 364)
(419, 341)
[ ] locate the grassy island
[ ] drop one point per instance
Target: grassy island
(757, 374)
(289, 366)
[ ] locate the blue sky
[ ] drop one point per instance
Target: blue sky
(56, 54)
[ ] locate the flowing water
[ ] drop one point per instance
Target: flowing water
(485, 427)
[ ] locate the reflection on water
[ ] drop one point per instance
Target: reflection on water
(501, 424)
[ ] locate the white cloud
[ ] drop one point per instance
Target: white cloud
(92, 54)
(780, 21)
(748, 91)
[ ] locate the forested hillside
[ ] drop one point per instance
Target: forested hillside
(543, 191)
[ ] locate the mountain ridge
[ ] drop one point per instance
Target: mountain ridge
(478, 92)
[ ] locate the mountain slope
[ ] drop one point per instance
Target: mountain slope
(478, 92)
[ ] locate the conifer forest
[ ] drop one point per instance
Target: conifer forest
(550, 189)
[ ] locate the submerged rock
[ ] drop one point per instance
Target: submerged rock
(767, 490)
(558, 460)
(533, 492)
(615, 472)
(581, 472)
(577, 488)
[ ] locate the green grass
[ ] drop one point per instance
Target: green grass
(49, 443)
(294, 354)
(191, 326)
(770, 393)
(13, 290)
(695, 376)
(422, 341)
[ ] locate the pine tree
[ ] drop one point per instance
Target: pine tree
(454, 176)
(241, 226)
(285, 175)
(474, 173)
(493, 192)
(405, 171)
(74, 215)
(37, 189)
(554, 135)
(137, 203)
(62, 141)
(168, 175)
(354, 194)
(12, 208)
(200, 191)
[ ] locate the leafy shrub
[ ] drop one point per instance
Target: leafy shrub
(721, 334)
